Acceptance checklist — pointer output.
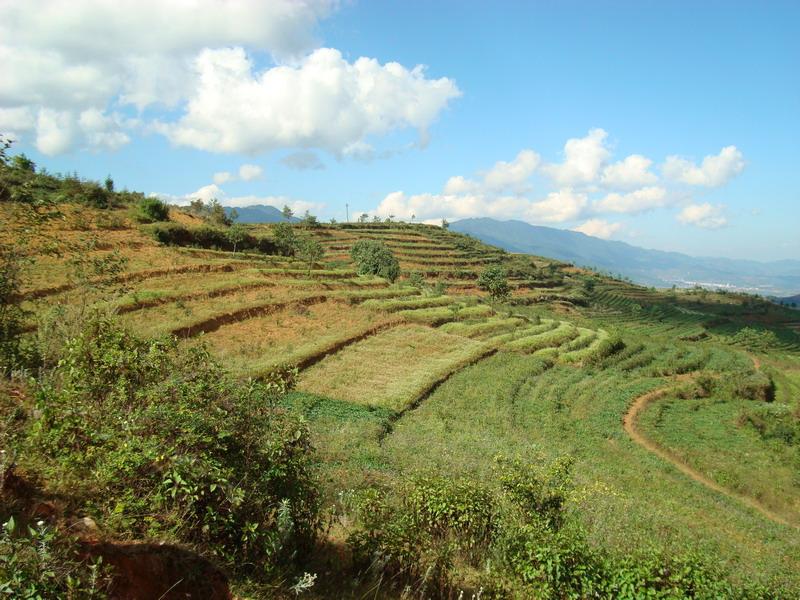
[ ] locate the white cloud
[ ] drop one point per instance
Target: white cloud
(512, 174)
(598, 228)
(629, 173)
(249, 172)
(62, 60)
(703, 215)
(222, 177)
(323, 102)
(715, 170)
(560, 206)
(102, 132)
(583, 160)
(460, 185)
(634, 202)
(557, 207)
(304, 160)
(54, 131)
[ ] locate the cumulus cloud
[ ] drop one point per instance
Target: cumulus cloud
(512, 174)
(703, 215)
(303, 160)
(598, 228)
(634, 202)
(560, 206)
(323, 102)
(583, 160)
(714, 171)
(631, 172)
(62, 60)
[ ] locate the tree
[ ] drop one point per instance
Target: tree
(109, 183)
(285, 239)
(236, 235)
(363, 218)
(495, 281)
(373, 257)
(287, 212)
(310, 250)
(217, 215)
(445, 224)
(310, 220)
(23, 163)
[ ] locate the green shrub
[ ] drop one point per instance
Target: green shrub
(152, 209)
(36, 562)
(373, 257)
(156, 443)
(174, 234)
(752, 385)
(494, 280)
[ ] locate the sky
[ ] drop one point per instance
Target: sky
(669, 125)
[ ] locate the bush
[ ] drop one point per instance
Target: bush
(174, 234)
(158, 443)
(152, 209)
(373, 257)
(37, 562)
(753, 385)
(494, 280)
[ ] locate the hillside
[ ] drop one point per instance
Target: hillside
(357, 435)
(646, 267)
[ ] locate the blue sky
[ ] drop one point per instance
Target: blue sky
(683, 116)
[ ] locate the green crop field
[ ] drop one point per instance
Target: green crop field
(399, 435)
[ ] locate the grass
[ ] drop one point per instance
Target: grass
(287, 336)
(395, 383)
(390, 369)
(707, 434)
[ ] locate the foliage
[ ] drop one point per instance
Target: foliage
(285, 239)
(495, 281)
(236, 235)
(213, 212)
(12, 353)
(309, 220)
(310, 251)
(152, 209)
(755, 339)
(175, 234)
(373, 257)
(36, 562)
(152, 442)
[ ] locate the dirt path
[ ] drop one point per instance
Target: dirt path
(629, 423)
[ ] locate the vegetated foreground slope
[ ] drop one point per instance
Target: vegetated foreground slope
(402, 384)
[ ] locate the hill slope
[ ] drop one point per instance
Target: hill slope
(648, 267)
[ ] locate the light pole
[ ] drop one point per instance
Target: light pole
(347, 212)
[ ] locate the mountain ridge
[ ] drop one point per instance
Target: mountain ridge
(650, 267)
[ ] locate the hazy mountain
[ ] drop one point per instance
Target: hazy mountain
(260, 213)
(648, 267)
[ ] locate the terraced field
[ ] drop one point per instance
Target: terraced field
(428, 376)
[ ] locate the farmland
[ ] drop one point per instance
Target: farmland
(430, 377)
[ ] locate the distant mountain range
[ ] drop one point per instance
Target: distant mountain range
(260, 213)
(647, 267)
